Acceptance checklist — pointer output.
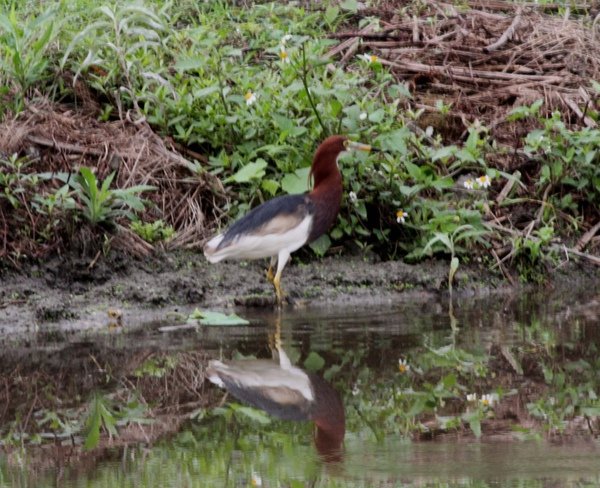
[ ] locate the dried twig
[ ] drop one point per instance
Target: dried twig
(508, 33)
(587, 237)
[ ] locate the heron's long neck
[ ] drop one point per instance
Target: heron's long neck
(327, 197)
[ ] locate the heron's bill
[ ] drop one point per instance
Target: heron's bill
(358, 146)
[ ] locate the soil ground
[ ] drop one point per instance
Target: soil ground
(69, 295)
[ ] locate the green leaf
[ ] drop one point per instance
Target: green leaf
(270, 186)
(208, 318)
(321, 245)
(475, 425)
(377, 116)
(443, 183)
(314, 362)
(331, 14)
(361, 210)
(453, 267)
(296, 182)
(204, 92)
(189, 64)
(465, 156)
(414, 171)
(249, 172)
(350, 5)
(591, 411)
(394, 141)
(93, 430)
(284, 124)
(443, 153)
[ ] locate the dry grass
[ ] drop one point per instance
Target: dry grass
(483, 59)
(60, 138)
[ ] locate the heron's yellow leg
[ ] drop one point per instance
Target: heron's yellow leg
(282, 259)
(270, 273)
(278, 291)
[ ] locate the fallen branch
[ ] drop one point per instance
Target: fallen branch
(508, 34)
(587, 237)
(65, 146)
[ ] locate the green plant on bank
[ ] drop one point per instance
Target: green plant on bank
(120, 43)
(569, 167)
(15, 182)
(253, 88)
(24, 46)
(533, 250)
(274, 93)
(153, 231)
(100, 204)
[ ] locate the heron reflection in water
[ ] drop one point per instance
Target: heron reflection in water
(289, 393)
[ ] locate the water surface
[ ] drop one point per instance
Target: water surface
(214, 450)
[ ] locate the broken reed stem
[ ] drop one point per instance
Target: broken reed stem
(508, 33)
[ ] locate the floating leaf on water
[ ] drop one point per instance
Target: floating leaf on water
(172, 328)
(206, 317)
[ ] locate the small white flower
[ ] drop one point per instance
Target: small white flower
(250, 97)
(352, 196)
(429, 131)
(283, 55)
(403, 366)
(489, 399)
(484, 181)
(256, 480)
(401, 216)
(363, 116)
(469, 184)
(369, 58)
(472, 397)
(355, 389)
(285, 39)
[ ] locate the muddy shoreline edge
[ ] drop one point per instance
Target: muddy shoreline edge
(71, 294)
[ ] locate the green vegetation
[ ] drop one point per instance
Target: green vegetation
(153, 232)
(254, 90)
(99, 204)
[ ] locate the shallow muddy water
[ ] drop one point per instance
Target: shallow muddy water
(358, 348)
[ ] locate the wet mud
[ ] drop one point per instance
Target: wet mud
(69, 295)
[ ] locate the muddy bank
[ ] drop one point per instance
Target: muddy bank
(70, 295)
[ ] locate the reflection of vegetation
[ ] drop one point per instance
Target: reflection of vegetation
(571, 383)
(429, 395)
